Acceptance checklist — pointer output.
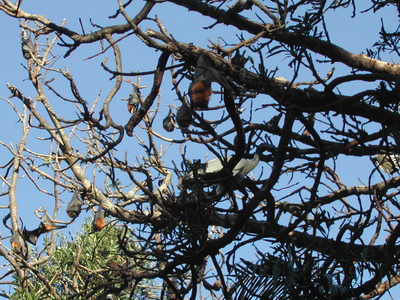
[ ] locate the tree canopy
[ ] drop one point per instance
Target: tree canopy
(85, 267)
(255, 154)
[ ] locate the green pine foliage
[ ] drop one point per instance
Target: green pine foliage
(88, 266)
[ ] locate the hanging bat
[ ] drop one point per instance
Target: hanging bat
(274, 122)
(74, 206)
(200, 89)
(17, 243)
(134, 100)
(184, 116)
(239, 59)
(99, 221)
(27, 45)
(168, 122)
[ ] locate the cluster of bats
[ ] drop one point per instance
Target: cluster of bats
(200, 92)
(200, 89)
(74, 208)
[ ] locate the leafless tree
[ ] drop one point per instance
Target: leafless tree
(274, 215)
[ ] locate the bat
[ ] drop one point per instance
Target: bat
(46, 225)
(74, 206)
(99, 221)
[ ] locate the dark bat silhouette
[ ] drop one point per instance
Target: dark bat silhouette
(168, 122)
(45, 226)
(239, 59)
(184, 116)
(74, 206)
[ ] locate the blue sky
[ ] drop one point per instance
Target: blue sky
(353, 34)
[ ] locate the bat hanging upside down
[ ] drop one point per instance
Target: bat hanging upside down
(200, 93)
(99, 221)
